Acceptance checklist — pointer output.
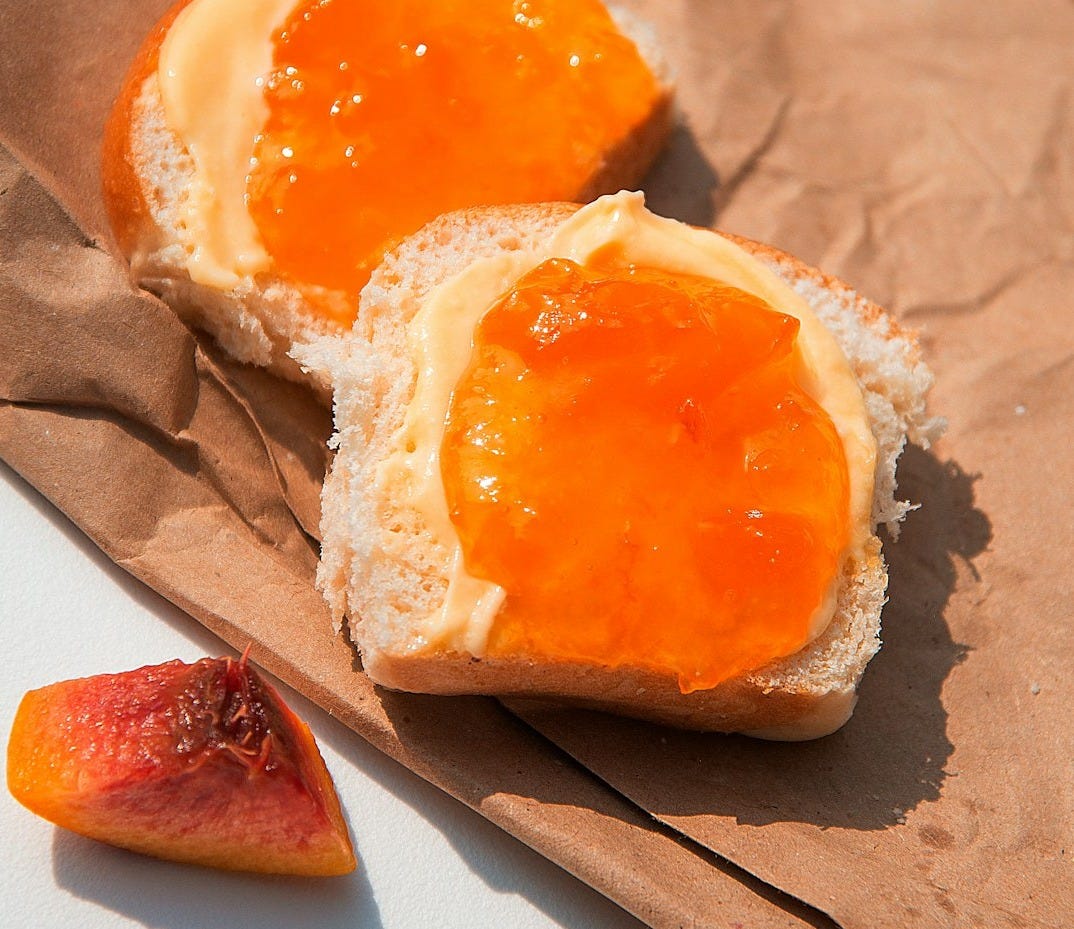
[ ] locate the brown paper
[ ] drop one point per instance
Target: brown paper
(921, 151)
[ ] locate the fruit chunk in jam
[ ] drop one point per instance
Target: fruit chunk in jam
(404, 110)
(631, 457)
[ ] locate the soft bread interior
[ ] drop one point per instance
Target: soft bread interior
(377, 567)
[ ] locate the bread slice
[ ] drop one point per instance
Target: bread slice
(378, 569)
(148, 175)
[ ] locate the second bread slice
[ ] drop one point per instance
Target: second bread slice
(380, 569)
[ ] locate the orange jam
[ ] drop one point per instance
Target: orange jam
(630, 456)
(384, 115)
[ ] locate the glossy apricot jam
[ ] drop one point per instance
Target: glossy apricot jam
(630, 456)
(384, 115)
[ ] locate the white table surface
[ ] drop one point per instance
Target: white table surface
(424, 858)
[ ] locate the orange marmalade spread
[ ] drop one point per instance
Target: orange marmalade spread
(631, 457)
(384, 115)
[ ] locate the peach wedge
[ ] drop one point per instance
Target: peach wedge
(201, 763)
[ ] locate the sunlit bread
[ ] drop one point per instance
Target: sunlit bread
(378, 572)
(147, 174)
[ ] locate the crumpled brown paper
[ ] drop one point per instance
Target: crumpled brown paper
(919, 150)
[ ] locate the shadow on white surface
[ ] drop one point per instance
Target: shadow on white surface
(503, 863)
(162, 895)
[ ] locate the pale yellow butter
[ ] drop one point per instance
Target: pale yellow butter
(441, 342)
(212, 68)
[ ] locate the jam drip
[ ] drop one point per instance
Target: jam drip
(631, 457)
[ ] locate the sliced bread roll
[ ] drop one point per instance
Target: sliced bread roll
(175, 177)
(389, 567)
